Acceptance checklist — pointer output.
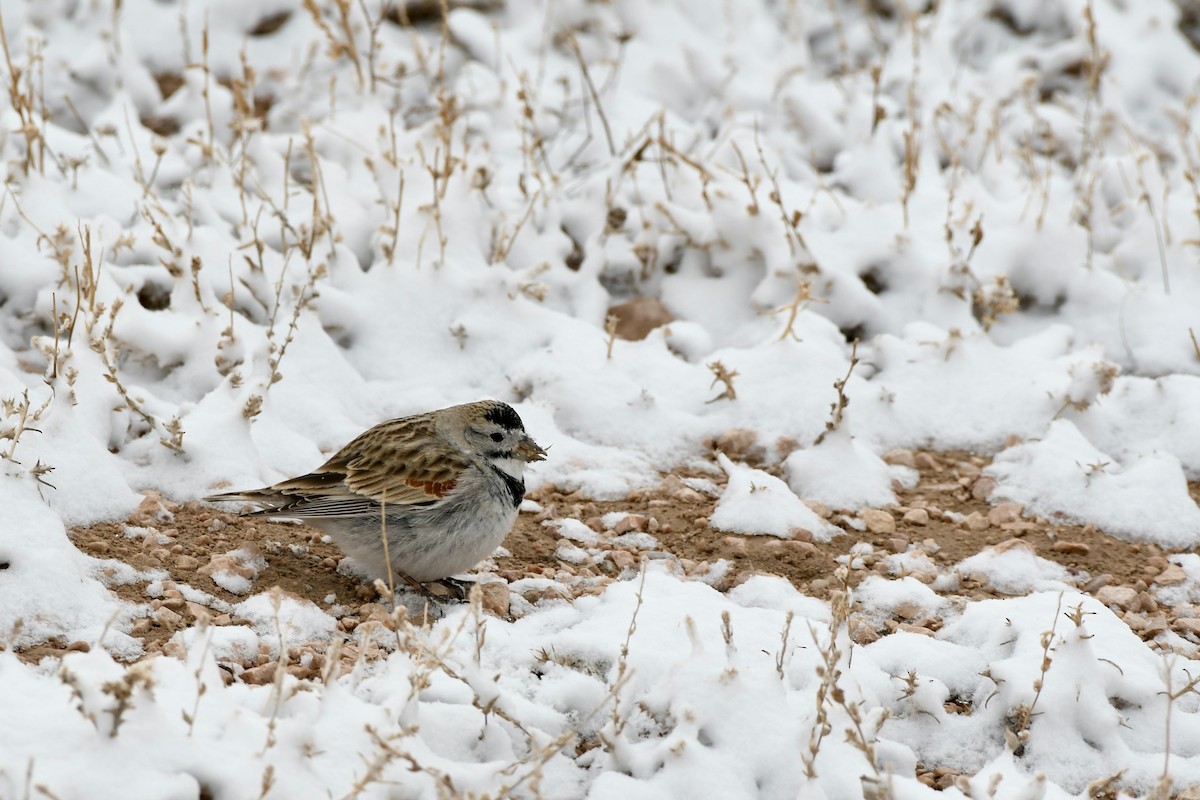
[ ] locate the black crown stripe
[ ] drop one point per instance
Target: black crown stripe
(503, 415)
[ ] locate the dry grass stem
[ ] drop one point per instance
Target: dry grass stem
(573, 44)
(838, 407)
(803, 297)
(610, 329)
(724, 376)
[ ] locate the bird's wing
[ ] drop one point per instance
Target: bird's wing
(397, 463)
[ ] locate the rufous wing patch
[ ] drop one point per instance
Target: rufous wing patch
(437, 489)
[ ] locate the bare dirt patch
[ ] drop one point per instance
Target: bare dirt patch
(186, 541)
(950, 490)
(947, 516)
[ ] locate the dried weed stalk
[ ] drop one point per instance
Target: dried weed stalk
(751, 182)
(340, 43)
(1140, 155)
(623, 672)
(838, 407)
(23, 97)
(610, 329)
(278, 349)
(123, 690)
(502, 242)
(791, 222)
(1162, 790)
(1016, 735)
(202, 622)
(724, 376)
(803, 297)
(781, 657)
(989, 303)
(573, 44)
(107, 347)
(912, 136)
(19, 416)
(830, 695)
(389, 249)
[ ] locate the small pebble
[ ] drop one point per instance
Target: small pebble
(878, 520)
(735, 545)
(166, 618)
(632, 522)
(1123, 597)
(623, 559)
(1187, 625)
(260, 675)
(900, 458)
(1005, 512)
(861, 631)
(925, 461)
(495, 598)
(983, 487)
(1171, 575)
(907, 628)
(976, 522)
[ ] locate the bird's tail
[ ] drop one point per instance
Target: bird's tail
(266, 499)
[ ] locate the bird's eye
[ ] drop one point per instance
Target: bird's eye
(497, 437)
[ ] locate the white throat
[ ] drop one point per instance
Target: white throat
(512, 467)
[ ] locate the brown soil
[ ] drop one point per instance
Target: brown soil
(189, 541)
(945, 485)
(298, 562)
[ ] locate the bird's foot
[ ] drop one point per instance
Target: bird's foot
(450, 589)
(446, 589)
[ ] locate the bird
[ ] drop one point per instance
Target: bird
(429, 495)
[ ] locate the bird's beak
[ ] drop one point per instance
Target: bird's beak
(528, 450)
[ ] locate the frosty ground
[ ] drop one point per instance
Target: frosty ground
(863, 336)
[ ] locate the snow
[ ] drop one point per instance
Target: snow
(1064, 475)
(47, 587)
(430, 217)
(575, 530)
(236, 571)
(283, 619)
(877, 595)
(1015, 570)
(759, 504)
(841, 472)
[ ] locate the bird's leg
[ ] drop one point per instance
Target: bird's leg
(412, 582)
